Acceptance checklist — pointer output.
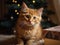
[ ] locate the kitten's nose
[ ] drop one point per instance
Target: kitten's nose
(30, 20)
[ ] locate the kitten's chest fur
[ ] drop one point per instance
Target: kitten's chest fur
(35, 33)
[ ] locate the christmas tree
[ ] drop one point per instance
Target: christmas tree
(14, 7)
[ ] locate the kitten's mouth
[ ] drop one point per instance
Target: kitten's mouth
(29, 24)
(26, 25)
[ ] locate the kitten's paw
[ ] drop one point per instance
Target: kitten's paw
(30, 42)
(41, 42)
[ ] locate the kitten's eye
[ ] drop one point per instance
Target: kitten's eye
(34, 17)
(27, 16)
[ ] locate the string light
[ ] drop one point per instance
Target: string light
(33, 1)
(15, 10)
(15, 1)
(17, 13)
(11, 17)
(18, 5)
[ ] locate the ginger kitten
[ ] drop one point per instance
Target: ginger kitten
(28, 28)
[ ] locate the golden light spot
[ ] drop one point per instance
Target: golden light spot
(15, 1)
(15, 10)
(33, 1)
(18, 5)
(17, 13)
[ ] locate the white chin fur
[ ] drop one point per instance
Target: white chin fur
(32, 23)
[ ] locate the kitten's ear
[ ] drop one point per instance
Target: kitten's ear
(24, 5)
(40, 11)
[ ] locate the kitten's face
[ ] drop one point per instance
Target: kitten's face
(30, 17)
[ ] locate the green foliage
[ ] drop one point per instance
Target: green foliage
(37, 4)
(12, 6)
